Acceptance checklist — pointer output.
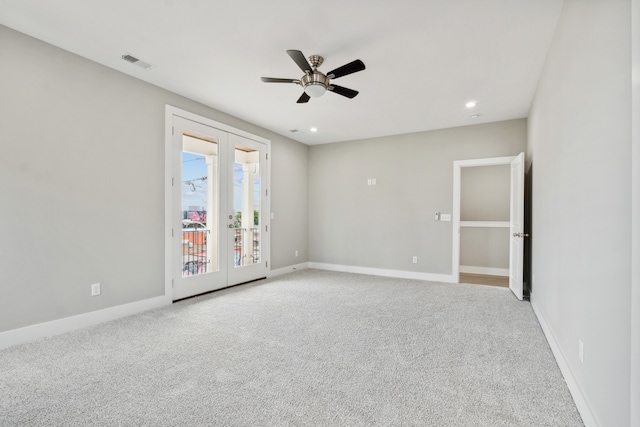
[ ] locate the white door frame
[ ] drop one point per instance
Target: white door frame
(457, 173)
(170, 112)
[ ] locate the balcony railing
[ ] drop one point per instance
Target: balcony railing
(242, 255)
(194, 252)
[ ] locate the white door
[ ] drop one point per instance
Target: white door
(199, 189)
(247, 210)
(218, 205)
(516, 246)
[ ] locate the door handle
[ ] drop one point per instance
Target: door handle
(231, 226)
(520, 235)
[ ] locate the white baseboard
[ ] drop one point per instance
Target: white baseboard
(288, 269)
(401, 274)
(574, 387)
(68, 324)
(484, 270)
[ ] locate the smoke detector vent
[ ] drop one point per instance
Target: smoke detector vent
(132, 59)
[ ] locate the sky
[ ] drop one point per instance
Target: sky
(194, 168)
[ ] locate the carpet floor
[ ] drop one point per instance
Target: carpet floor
(304, 349)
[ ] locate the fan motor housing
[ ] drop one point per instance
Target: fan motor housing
(315, 79)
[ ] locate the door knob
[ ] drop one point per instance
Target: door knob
(231, 226)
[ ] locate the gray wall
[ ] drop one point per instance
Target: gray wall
(289, 180)
(384, 226)
(82, 184)
(635, 220)
(579, 148)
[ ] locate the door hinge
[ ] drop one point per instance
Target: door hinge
(172, 283)
(266, 228)
(266, 192)
(266, 264)
(172, 184)
(173, 130)
(172, 232)
(267, 156)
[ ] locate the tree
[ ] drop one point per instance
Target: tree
(237, 222)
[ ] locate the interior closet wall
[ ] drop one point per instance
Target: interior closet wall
(484, 197)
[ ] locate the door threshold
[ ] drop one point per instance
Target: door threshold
(221, 289)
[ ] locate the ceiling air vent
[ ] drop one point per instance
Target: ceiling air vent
(136, 61)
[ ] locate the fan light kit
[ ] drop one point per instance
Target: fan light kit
(314, 82)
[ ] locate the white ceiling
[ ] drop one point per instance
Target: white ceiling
(425, 58)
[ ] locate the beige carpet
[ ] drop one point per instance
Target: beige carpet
(310, 348)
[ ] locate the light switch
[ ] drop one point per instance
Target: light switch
(373, 181)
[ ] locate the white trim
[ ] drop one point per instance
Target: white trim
(289, 269)
(401, 274)
(68, 324)
(457, 173)
(485, 224)
(168, 198)
(471, 269)
(578, 395)
(174, 111)
(490, 161)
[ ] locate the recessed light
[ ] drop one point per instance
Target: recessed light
(314, 129)
(475, 116)
(471, 104)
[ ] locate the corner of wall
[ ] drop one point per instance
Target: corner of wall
(635, 218)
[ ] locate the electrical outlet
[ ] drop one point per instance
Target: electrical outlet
(415, 259)
(95, 289)
(296, 252)
(369, 181)
(445, 217)
(581, 351)
(373, 181)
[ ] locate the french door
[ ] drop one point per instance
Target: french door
(219, 208)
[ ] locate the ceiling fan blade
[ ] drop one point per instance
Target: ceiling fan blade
(350, 68)
(275, 80)
(349, 93)
(300, 60)
(303, 98)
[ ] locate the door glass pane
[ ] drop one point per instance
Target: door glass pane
(246, 206)
(199, 204)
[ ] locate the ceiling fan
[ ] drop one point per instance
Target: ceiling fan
(314, 82)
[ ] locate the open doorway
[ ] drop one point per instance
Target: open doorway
(484, 225)
(488, 221)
